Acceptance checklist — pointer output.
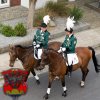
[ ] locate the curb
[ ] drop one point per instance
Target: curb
(92, 6)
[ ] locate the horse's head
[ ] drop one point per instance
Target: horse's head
(49, 56)
(13, 55)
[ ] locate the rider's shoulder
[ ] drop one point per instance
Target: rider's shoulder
(47, 32)
(37, 31)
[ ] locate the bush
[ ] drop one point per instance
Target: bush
(76, 12)
(7, 31)
(1, 26)
(56, 8)
(20, 30)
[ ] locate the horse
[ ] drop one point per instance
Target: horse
(58, 68)
(26, 56)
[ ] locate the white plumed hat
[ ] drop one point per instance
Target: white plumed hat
(70, 23)
(46, 19)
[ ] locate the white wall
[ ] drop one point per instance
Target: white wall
(25, 3)
(39, 4)
(71, 0)
(6, 4)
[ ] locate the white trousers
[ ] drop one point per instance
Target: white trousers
(72, 59)
(39, 53)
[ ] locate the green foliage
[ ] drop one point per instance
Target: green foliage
(51, 8)
(1, 26)
(76, 12)
(7, 31)
(20, 30)
(56, 8)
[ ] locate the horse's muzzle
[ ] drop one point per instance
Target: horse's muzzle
(11, 64)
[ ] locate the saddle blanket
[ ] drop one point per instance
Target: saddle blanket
(72, 59)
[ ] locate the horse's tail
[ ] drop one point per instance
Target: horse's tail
(96, 65)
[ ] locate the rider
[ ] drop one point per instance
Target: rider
(41, 37)
(68, 46)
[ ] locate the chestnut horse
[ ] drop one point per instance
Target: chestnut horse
(58, 68)
(26, 56)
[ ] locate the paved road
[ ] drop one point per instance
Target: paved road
(91, 91)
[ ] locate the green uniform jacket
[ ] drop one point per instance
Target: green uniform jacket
(42, 38)
(70, 43)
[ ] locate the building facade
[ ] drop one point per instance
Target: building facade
(25, 3)
(9, 3)
(39, 4)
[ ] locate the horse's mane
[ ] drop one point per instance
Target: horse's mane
(55, 52)
(24, 47)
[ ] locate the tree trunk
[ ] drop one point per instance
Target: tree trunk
(32, 4)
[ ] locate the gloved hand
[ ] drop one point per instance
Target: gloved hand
(34, 43)
(62, 49)
(37, 45)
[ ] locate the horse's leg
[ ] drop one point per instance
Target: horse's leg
(46, 96)
(84, 74)
(64, 86)
(36, 77)
(27, 76)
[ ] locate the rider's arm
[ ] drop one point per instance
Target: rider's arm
(46, 38)
(73, 44)
(64, 44)
(34, 39)
(63, 47)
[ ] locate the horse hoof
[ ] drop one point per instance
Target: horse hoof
(82, 83)
(64, 94)
(46, 97)
(38, 82)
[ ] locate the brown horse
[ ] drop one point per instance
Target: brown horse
(58, 68)
(26, 56)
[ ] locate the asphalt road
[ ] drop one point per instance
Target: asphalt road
(91, 91)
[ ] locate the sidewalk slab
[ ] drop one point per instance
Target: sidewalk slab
(89, 38)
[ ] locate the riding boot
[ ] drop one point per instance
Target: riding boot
(70, 70)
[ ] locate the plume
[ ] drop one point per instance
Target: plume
(70, 23)
(46, 19)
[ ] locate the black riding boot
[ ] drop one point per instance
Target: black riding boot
(70, 70)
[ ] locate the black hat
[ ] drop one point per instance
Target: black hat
(71, 30)
(43, 25)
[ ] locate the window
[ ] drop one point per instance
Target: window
(4, 3)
